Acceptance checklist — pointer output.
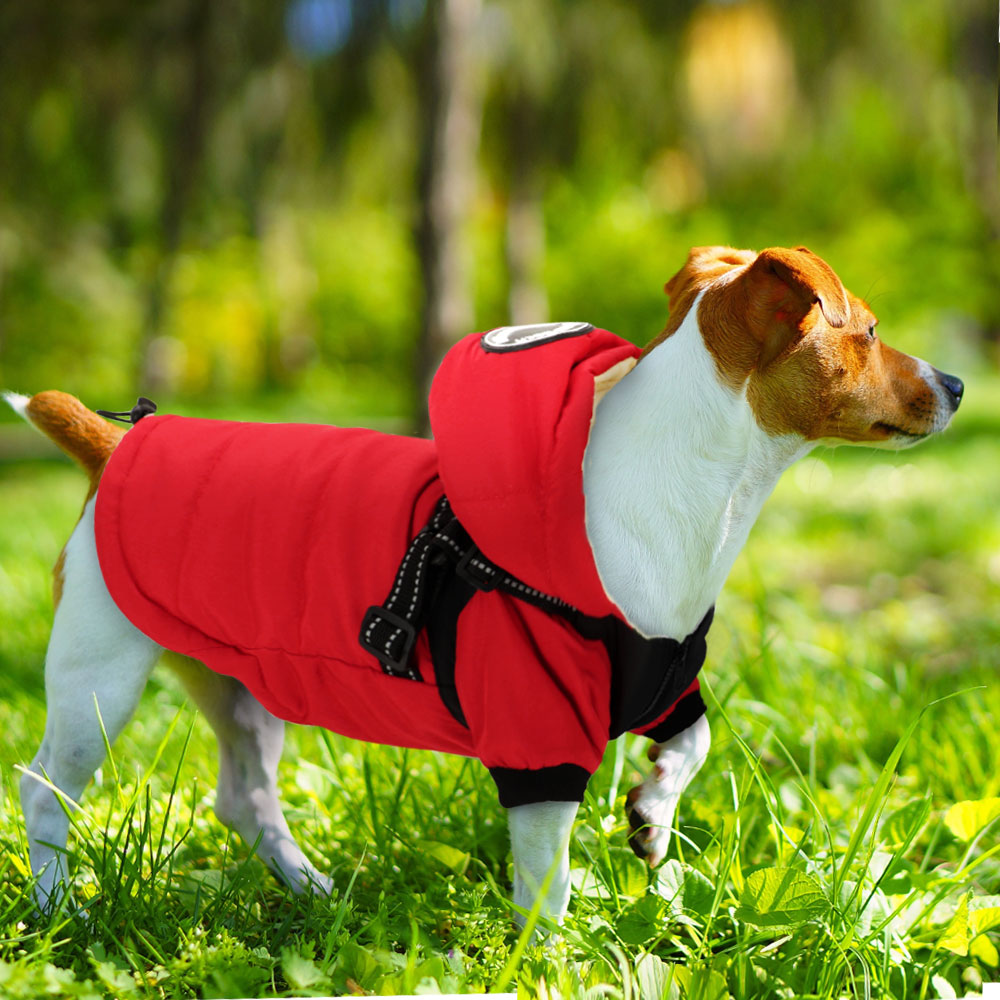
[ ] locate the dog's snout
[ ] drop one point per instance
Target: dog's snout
(953, 386)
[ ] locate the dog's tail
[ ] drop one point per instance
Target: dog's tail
(79, 432)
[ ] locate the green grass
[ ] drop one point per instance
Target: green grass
(853, 700)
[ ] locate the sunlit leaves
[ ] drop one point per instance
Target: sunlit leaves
(781, 898)
(966, 819)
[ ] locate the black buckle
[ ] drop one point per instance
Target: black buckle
(394, 666)
(476, 569)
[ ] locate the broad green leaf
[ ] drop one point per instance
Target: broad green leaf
(853, 896)
(878, 864)
(301, 972)
(701, 983)
(586, 882)
(899, 883)
(956, 935)
(429, 978)
(984, 914)
(905, 823)
(58, 982)
(631, 873)
(642, 921)
(652, 975)
(358, 963)
(118, 982)
(699, 893)
(781, 898)
(966, 819)
(984, 949)
(451, 857)
(208, 880)
(670, 883)
(684, 888)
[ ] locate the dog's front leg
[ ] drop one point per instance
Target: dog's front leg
(652, 805)
(539, 836)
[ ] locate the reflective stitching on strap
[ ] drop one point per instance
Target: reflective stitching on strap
(389, 631)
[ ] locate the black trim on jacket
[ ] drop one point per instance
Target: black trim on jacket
(561, 783)
(687, 711)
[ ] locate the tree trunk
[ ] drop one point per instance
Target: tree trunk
(451, 102)
(527, 298)
(183, 155)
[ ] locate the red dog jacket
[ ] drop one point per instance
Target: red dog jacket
(258, 549)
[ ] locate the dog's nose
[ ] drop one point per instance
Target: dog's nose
(953, 385)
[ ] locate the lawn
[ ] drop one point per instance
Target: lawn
(843, 839)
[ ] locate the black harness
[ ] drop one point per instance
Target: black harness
(438, 576)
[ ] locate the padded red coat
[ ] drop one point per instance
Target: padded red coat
(257, 548)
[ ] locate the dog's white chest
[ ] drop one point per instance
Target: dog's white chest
(675, 473)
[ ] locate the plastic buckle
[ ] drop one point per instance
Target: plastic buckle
(394, 666)
(476, 569)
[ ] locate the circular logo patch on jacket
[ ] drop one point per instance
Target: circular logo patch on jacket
(520, 338)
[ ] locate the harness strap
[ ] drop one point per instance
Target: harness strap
(443, 568)
(389, 631)
(142, 408)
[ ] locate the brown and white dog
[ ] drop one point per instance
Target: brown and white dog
(765, 356)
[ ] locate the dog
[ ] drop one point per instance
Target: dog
(546, 567)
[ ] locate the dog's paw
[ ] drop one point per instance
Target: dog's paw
(647, 839)
(315, 882)
(321, 885)
(652, 806)
(305, 880)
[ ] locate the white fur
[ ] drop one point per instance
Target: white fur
(539, 838)
(945, 404)
(675, 473)
(678, 761)
(18, 403)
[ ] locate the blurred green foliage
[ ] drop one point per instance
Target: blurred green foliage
(258, 174)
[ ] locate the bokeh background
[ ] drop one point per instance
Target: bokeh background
(288, 209)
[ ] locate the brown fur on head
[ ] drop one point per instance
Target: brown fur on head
(703, 266)
(782, 327)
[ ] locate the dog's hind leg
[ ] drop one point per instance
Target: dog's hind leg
(96, 668)
(651, 806)
(250, 741)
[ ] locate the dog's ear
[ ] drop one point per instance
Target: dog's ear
(784, 286)
(704, 265)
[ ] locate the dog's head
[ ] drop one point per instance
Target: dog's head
(781, 326)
